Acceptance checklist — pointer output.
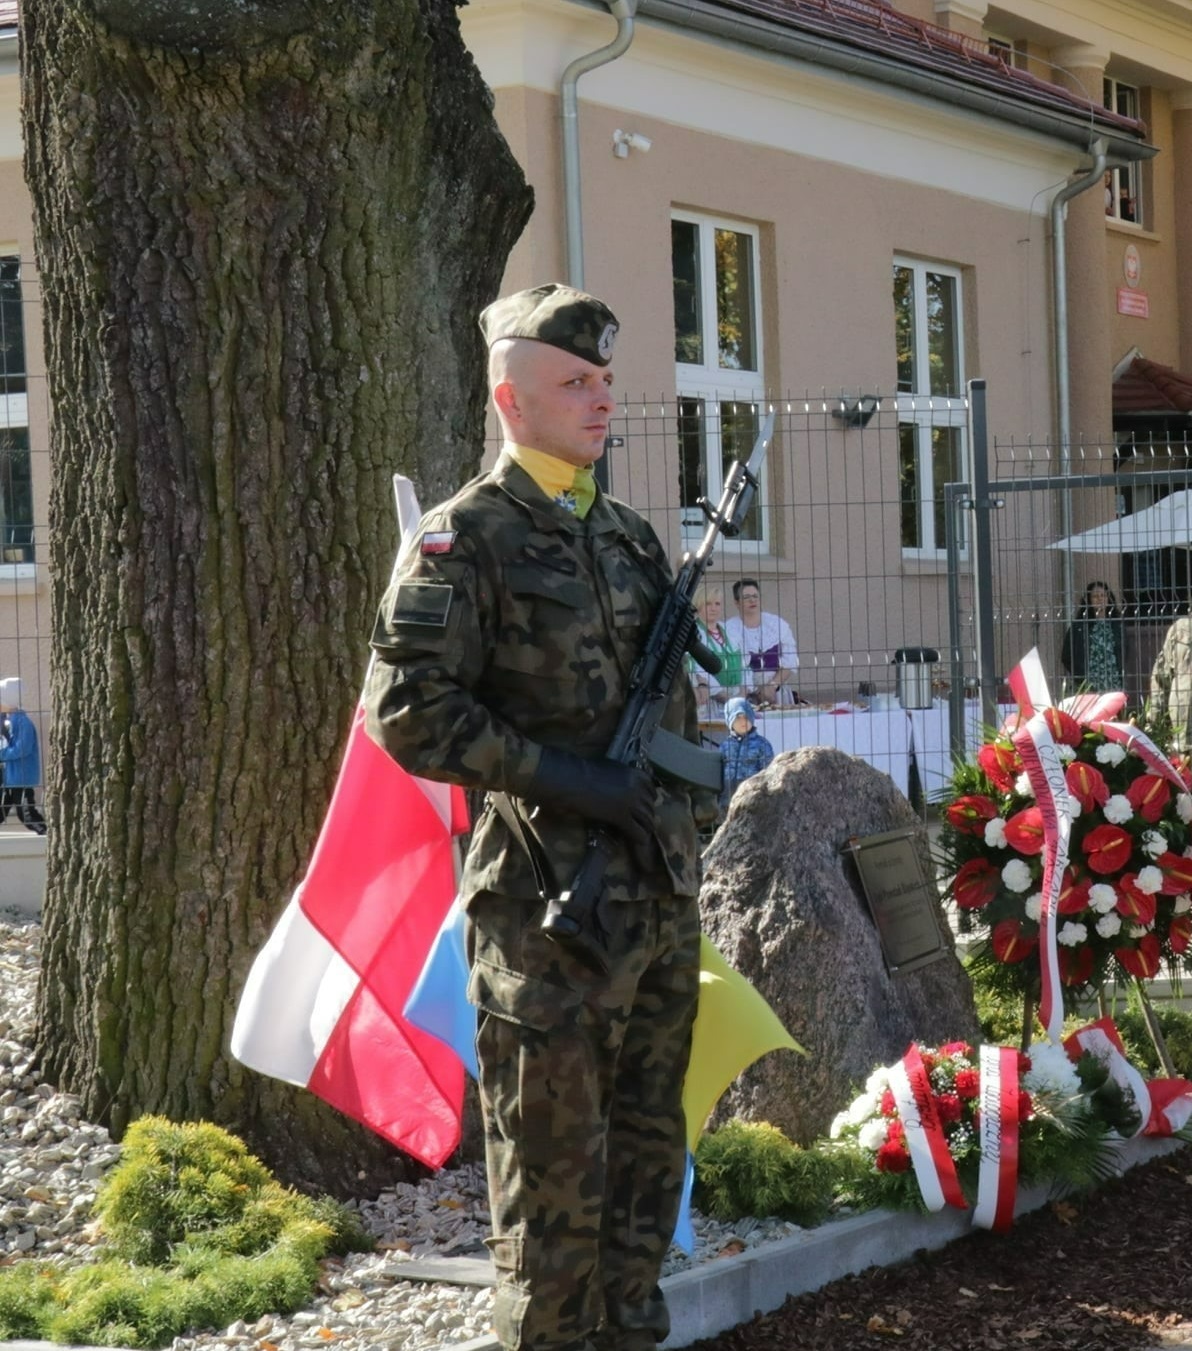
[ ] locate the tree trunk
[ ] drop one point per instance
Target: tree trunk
(262, 254)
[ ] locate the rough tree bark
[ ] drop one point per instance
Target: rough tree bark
(264, 232)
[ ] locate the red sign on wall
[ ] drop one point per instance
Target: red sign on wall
(1136, 303)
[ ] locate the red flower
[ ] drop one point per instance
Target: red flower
(1010, 944)
(949, 1107)
(895, 1130)
(887, 1106)
(1180, 934)
(1177, 873)
(1024, 1063)
(967, 1083)
(1074, 895)
(976, 884)
(1024, 831)
(1142, 961)
(1149, 795)
(956, 1048)
(1133, 903)
(1026, 1108)
(1063, 727)
(1108, 849)
(1001, 764)
(892, 1158)
(968, 814)
(1087, 784)
(1076, 965)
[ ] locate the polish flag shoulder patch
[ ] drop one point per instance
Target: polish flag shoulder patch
(438, 542)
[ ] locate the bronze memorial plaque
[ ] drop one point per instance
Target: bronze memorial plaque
(902, 901)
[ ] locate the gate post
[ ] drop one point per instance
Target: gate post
(982, 505)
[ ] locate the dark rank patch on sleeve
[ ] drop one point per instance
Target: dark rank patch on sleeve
(424, 603)
(438, 542)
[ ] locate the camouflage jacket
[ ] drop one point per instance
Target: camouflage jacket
(1171, 683)
(511, 625)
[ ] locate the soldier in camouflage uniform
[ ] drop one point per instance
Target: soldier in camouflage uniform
(1171, 683)
(504, 652)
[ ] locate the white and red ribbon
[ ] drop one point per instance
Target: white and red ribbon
(1164, 1105)
(935, 1169)
(997, 1178)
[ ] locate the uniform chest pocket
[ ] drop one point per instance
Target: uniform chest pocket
(545, 614)
(633, 598)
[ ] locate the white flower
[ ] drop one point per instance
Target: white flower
(1153, 843)
(839, 1121)
(1071, 934)
(1051, 1071)
(878, 1082)
(1110, 753)
(1022, 786)
(872, 1135)
(1074, 807)
(862, 1108)
(1102, 898)
(1150, 879)
(1118, 809)
(1108, 925)
(1137, 930)
(1183, 806)
(995, 833)
(1065, 752)
(1033, 906)
(1016, 875)
(1183, 904)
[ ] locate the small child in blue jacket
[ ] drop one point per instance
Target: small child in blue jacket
(744, 752)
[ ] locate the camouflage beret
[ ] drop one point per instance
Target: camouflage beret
(559, 315)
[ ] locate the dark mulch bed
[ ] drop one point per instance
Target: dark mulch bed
(1110, 1271)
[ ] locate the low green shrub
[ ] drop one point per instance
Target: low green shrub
(199, 1234)
(751, 1168)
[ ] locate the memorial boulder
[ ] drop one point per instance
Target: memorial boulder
(782, 898)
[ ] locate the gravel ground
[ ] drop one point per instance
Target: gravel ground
(51, 1163)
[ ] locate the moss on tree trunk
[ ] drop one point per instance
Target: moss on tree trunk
(261, 262)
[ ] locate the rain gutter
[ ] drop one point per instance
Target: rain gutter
(623, 11)
(776, 39)
(1094, 177)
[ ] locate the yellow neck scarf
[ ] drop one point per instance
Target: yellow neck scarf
(568, 487)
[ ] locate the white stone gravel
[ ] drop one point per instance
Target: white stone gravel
(51, 1163)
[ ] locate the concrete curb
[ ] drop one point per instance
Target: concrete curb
(716, 1296)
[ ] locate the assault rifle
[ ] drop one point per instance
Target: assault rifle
(572, 918)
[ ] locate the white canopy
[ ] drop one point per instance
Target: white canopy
(1166, 525)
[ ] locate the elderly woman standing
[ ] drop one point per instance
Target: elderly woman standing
(713, 690)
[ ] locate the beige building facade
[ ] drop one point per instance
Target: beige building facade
(787, 202)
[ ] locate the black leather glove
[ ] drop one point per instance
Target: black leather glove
(599, 790)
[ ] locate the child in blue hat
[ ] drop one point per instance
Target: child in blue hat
(744, 752)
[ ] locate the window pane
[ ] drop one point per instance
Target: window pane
(945, 468)
(734, 301)
(908, 486)
(692, 447)
(689, 338)
(16, 496)
(12, 329)
(942, 345)
(738, 431)
(904, 328)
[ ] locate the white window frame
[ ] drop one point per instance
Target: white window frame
(1127, 175)
(926, 411)
(717, 386)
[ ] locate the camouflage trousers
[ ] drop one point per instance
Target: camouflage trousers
(581, 1083)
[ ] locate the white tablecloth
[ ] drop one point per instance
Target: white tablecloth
(882, 738)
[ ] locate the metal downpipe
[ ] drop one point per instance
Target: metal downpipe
(1063, 382)
(623, 11)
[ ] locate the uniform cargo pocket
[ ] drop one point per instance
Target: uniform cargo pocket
(521, 999)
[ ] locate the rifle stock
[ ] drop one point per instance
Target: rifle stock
(572, 918)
